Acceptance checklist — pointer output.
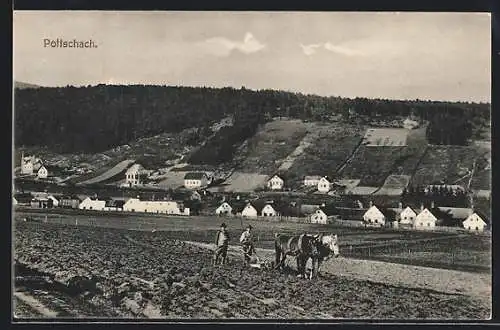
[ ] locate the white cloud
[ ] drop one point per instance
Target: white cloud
(223, 47)
(342, 50)
(346, 51)
(309, 49)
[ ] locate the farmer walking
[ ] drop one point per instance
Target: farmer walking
(221, 245)
(246, 240)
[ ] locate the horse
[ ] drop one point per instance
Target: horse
(304, 247)
(328, 246)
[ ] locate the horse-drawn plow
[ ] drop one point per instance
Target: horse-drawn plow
(133, 274)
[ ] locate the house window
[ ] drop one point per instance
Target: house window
(428, 224)
(421, 224)
(90, 208)
(376, 221)
(477, 228)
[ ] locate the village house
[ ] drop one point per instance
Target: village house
(324, 185)
(425, 220)
(269, 211)
(42, 172)
(23, 198)
(195, 196)
(324, 214)
(160, 207)
(92, 203)
(193, 180)
(224, 209)
(136, 175)
(374, 217)
(70, 201)
(474, 223)
(114, 205)
(275, 183)
(44, 202)
(311, 180)
(407, 217)
(249, 211)
(29, 164)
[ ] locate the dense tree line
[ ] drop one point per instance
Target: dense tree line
(450, 126)
(96, 118)
(440, 195)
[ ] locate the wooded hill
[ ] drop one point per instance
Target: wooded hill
(97, 118)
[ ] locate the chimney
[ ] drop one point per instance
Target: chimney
(421, 206)
(400, 205)
(371, 203)
(432, 204)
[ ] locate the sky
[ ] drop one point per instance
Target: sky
(428, 56)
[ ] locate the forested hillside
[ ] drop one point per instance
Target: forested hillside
(96, 118)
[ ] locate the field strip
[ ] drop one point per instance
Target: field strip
(351, 156)
(35, 304)
(305, 143)
(120, 167)
(417, 277)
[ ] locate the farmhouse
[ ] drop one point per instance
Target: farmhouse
(269, 211)
(275, 183)
(407, 217)
(324, 214)
(30, 164)
(42, 172)
(44, 202)
(249, 211)
(374, 217)
(311, 180)
(224, 209)
(70, 202)
(193, 180)
(136, 175)
(474, 223)
(425, 220)
(92, 203)
(114, 205)
(163, 207)
(324, 184)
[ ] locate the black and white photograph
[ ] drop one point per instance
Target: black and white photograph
(251, 165)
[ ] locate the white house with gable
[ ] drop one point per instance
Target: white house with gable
(407, 216)
(425, 220)
(275, 183)
(92, 203)
(224, 209)
(42, 172)
(374, 217)
(311, 180)
(249, 211)
(193, 180)
(269, 211)
(136, 175)
(474, 223)
(324, 185)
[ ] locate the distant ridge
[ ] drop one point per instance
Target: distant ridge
(23, 85)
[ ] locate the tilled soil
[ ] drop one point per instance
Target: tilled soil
(148, 275)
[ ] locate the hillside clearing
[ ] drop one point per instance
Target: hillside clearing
(385, 137)
(119, 168)
(269, 148)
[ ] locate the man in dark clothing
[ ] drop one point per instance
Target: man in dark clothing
(221, 245)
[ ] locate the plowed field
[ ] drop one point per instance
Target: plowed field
(124, 273)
